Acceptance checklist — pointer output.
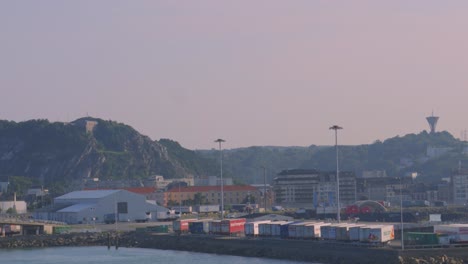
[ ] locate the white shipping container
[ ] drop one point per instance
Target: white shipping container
(207, 208)
(457, 233)
(377, 233)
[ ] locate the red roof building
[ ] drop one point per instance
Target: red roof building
(233, 194)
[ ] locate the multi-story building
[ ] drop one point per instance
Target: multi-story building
(212, 181)
(459, 183)
(233, 194)
(312, 188)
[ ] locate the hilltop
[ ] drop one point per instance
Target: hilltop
(66, 154)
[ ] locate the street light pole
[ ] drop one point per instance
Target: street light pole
(264, 189)
(401, 215)
(221, 175)
(338, 213)
(180, 202)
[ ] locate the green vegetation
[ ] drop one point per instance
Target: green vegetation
(397, 156)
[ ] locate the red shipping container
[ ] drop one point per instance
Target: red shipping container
(232, 226)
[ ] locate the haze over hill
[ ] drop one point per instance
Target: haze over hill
(66, 154)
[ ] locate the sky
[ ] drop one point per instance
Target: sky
(252, 72)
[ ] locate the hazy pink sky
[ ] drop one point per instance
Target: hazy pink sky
(250, 72)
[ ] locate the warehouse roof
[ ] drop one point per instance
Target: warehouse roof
(95, 194)
(77, 208)
(139, 190)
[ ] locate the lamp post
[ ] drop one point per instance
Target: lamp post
(401, 215)
(180, 202)
(338, 215)
(264, 188)
(221, 175)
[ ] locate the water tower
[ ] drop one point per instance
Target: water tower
(432, 120)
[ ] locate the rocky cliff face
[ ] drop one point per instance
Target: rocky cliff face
(84, 149)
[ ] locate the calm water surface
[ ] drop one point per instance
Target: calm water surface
(101, 255)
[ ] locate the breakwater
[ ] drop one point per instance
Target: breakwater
(311, 251)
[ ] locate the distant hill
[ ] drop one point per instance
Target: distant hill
(68, 153)
(397, 156)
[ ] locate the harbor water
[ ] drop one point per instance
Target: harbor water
(101, 255)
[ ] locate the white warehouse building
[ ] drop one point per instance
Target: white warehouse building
(97, 205)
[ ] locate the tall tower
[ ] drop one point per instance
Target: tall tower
(432, 120)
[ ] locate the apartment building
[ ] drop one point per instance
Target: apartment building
(312, 188)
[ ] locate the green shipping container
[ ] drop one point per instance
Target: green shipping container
(421, 239)
(158, 229)
(61, 229)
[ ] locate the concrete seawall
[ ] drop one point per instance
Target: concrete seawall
(310, 251)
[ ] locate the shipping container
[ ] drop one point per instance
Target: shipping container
(158, 229)
(270, 229)
(182, 209)
(421, 238)
(214, 227)
(181, 225)
(343, 232)
(354, 232)
(232, 226)
(207, 208)
(277, 226)
(312, 231)
(61, 229)
(200, 226)
(284, 229)
(252, 228)
(458, 232)
(293, 230)
(377, 233)
(329, 231)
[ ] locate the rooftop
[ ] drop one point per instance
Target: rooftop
(87, 194)
(226, 188)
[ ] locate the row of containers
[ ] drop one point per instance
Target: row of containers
(288, 230)
(442, 235)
